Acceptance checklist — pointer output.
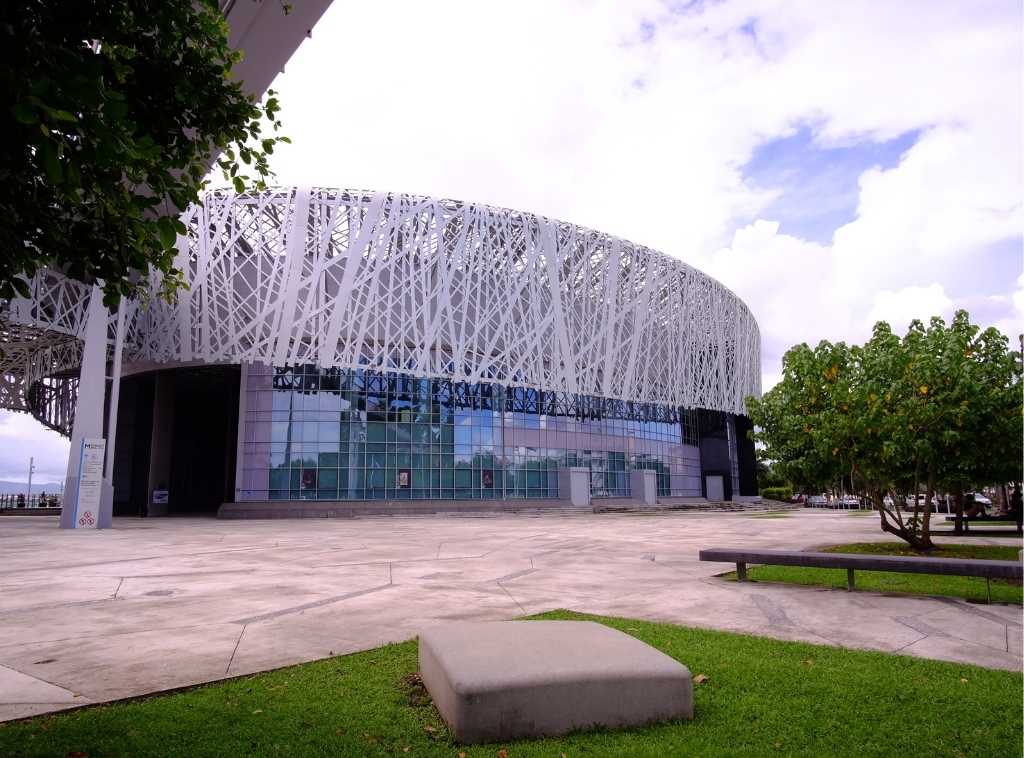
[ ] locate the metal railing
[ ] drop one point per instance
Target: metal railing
(15, 501)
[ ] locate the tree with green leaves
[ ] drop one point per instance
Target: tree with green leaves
(940, 407)
(116, 109)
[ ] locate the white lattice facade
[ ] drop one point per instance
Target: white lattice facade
(442, 288)
(377, 284)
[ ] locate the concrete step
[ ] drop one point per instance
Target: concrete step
(278, 509)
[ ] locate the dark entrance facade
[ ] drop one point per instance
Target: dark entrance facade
(177, 432)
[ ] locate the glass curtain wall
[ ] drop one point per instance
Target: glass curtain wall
(333, 434)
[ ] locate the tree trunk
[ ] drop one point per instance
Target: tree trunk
(896, 526)
(917, 491)
(958, 506)
(926, 518)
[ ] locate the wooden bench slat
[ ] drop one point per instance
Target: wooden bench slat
(907, 564)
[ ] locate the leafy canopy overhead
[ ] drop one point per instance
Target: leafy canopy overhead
(115, 110)
(940, 408)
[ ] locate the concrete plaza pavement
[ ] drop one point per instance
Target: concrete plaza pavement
(154, 604)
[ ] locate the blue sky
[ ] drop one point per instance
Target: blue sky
(817, 185)
(833, 163)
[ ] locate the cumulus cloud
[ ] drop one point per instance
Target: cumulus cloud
(21, 436)
(903, 306)
(639, 119)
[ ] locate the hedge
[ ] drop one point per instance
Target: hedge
(778, 493)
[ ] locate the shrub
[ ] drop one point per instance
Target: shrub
(777, 493)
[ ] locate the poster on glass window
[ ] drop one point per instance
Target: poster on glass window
(402, 479)
(308, 479)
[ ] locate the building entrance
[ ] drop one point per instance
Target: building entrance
(176, 434)
(202, 471)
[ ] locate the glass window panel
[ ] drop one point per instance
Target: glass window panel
(279, 479)
(327, 478)
(279, 431)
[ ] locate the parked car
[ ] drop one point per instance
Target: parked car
(979, 498)
(848, 501)
(817, 501)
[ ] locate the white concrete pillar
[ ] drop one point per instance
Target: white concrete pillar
(92, 388)
(574, 485)
(107, 499)
(643, 485)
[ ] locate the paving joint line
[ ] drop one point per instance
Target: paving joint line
(904, 647)
(313, 604)
(40, 679)
(511, 597)
(514, 575)
(235, 649)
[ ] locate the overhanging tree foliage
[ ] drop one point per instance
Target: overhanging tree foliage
(940, 407)
(114, 110)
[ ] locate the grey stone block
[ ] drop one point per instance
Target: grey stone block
(504, 680)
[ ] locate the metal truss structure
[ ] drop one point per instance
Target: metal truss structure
(417, 285)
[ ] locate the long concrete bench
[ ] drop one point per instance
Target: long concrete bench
(852, 562)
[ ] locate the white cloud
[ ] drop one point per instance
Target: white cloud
(901, 307)
(21, 437)
(566, 110)
(1011, 322)
(638, 118)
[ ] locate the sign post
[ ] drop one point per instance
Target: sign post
(90, 483)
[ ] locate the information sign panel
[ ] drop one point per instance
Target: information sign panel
(90, 483)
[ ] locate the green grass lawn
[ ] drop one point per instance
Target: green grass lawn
(967, 587)
(761, 697)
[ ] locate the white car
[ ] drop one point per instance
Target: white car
(817, 501)
(936, 500)
(849, 501)
(979, 498)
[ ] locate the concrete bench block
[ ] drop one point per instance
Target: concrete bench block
(504, 680)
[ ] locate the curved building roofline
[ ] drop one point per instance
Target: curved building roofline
(436, 288)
